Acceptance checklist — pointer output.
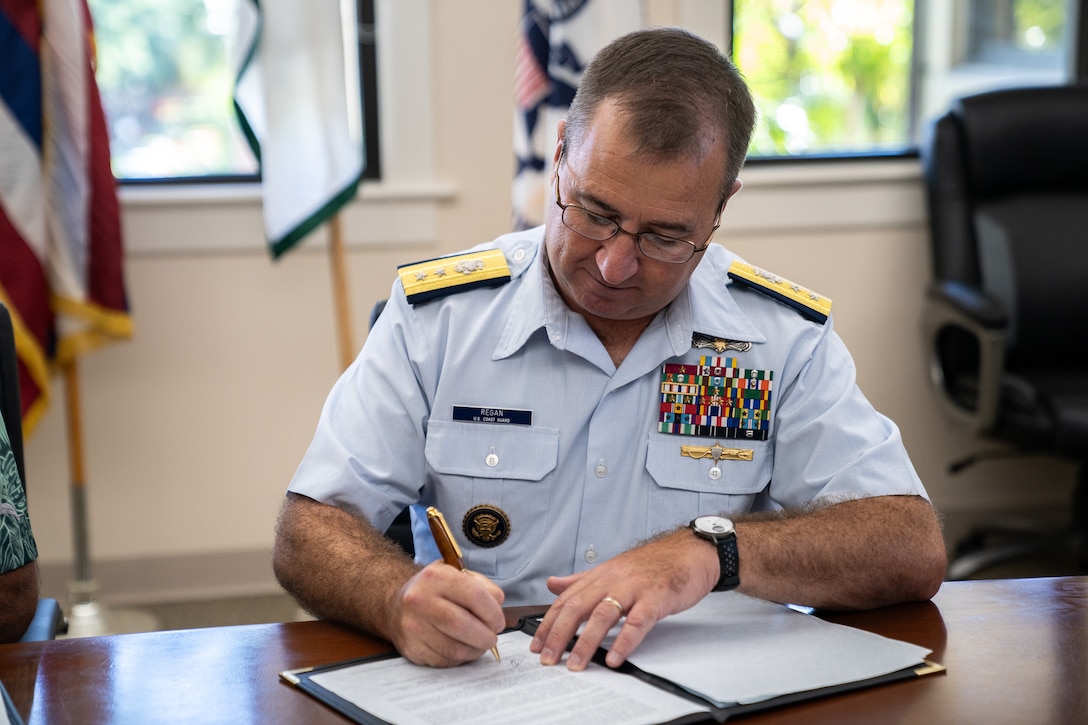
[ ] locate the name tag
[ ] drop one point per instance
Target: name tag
(501, 416)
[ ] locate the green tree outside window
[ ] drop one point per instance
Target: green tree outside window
(829, 76)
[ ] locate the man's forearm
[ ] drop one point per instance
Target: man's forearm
(852, 555)
(19, 598)
(337, 566)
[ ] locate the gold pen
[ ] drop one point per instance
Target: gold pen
(447, 546)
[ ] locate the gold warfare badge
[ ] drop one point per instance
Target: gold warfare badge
(486, 526)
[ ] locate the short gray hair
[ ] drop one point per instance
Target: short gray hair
(674, 87)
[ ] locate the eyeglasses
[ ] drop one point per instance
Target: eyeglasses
(599, 228)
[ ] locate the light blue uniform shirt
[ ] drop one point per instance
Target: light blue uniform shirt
(590, 475)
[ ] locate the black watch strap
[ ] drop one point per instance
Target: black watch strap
(729, 562)
(721, 533)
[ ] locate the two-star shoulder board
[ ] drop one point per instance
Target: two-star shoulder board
(813, 306)
(443, 276)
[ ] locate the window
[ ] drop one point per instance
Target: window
(830, 76)
(969, 46)
(1010, 33)
(840, 78)
(850, 77)
(165, 73)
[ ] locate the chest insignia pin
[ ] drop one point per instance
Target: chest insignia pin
(699, 340)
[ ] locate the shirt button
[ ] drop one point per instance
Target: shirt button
(492, 459)
(519, 255)
(591, 555)
(601, 470)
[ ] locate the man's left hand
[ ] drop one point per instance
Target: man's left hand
(645, 585)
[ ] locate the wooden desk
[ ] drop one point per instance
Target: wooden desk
(1016, 652)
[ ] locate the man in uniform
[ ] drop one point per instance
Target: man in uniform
(612, 412)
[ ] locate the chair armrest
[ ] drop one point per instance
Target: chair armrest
(971, 302)
(48, 622)
(954, 305)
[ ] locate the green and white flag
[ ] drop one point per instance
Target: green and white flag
(298, 101)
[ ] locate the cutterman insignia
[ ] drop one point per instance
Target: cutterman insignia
(486, 525)
(717, 453)
(813, 306)
(439, 277)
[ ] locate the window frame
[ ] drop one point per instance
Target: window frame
(840, 193)
(940, 38)
(369, 93)
(399, 208)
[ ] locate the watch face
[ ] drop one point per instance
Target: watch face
(715, 525)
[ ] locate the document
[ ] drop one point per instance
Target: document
(516, 689)
(727, 655)
(734, 649)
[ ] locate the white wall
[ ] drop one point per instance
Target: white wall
(194, 428)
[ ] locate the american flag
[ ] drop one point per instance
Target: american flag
(556, 39)
(60, 233)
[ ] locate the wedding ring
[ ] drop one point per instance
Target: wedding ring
(614, 603)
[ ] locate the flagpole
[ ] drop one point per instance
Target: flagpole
(337, 268)
(73, 408)
(87, 618)
(82, 589)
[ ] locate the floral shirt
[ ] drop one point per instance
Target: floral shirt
(17, 547)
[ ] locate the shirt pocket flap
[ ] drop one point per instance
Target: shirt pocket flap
(671, 469)
(492, 451)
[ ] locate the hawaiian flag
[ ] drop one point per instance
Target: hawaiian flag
(61, 271)
(556, 39)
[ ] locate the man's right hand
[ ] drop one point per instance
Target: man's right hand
(343, 570)
(443, 617)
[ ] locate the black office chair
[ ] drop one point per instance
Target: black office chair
(1006, 176)
(49, 619)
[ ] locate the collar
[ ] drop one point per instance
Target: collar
(705, 305)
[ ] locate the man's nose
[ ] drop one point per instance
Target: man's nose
(617, 259)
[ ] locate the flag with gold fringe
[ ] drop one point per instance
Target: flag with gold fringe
(61, 251)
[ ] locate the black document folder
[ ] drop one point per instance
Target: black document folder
(388, 689)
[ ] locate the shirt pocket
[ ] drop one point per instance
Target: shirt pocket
(501, 467)
(684, 487)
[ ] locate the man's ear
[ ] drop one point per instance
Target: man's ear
(736, 187)
(560, 128)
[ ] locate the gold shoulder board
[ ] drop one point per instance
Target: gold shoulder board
(439, 277)
(813, 306)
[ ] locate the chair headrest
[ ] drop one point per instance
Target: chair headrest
(1025, 139)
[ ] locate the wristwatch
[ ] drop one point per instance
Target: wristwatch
(720, 532)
